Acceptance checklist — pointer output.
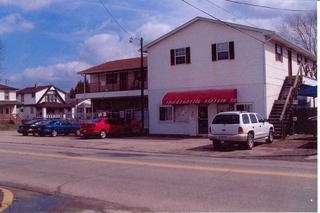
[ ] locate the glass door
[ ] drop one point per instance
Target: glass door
(203, 120)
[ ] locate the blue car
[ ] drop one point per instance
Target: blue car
(58, 126)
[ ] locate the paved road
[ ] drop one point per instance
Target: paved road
(142, 181)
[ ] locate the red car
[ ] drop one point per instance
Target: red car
(103, 127)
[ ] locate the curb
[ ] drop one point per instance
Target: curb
(7, 199)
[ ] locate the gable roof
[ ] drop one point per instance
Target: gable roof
(117, 65)
(35, 89)
(269, 35)
(5, 87)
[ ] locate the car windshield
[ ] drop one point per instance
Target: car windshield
(226, 119)
(31, 121)
(44, 122)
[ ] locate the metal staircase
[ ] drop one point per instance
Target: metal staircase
(282, 110)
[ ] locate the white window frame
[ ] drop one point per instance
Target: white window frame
(223, 48)
(168, 115)
(180, 56)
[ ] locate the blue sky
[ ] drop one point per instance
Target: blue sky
(48, 41)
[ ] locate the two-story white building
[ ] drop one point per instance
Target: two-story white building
(42, 102)
(207, 66)
(8, 103)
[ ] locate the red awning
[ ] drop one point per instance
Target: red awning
(201, 97)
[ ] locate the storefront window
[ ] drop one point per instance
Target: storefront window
(181, 113)
(165, 113)
(244, 107)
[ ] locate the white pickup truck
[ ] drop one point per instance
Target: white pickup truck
(239, 127)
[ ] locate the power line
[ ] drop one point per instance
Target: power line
(223, 22)
(114, 19)
(267, 7)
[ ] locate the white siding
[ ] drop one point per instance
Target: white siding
(245, 73)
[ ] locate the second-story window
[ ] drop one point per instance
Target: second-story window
(22, 97)
(279, 53)
(6, 95)
(299, 58)
(222, 51)
(180, 56)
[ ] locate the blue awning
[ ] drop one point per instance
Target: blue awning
(310, 91)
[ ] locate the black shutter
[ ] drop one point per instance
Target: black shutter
(231, 49)
(188, 59)
(172, 57)
(214, 52)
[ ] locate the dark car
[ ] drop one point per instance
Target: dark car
(103, 127)
(60, 126)
(29, 127)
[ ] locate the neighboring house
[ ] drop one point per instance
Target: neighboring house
(115, 89)
(8, 103)
(80, 109)
(207, 66)
(42, 102)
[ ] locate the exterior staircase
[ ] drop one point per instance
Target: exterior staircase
(282, 110)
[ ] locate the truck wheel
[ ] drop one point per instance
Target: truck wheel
(250, 141)
(270, 137)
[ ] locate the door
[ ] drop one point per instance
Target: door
(289, 63)
(123, 81)
(203, 120)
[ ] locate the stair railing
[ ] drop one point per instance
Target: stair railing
(302, 67)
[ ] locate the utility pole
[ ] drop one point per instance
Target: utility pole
(142, 85)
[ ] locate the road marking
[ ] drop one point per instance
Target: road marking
(7, 199)
(166, 165)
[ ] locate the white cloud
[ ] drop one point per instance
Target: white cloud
(152, 30)
(63, 75)
(14, 22)
(105, 47)
(27, 4)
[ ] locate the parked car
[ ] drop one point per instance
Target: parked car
(29, 127)
(239, 127)
(103, 127)
(58, 126)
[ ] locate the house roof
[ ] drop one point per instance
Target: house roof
(5, 87)
(35, 89)
(6, 103)
(32, 89)
(117, 65)
(269, 35)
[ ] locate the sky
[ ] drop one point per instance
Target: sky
(47, 42)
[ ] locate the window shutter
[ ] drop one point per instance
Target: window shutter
(214, 52)
(231, 49)
(188, 58)
(172, 57)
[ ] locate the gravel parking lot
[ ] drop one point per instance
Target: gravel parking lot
(296, 147)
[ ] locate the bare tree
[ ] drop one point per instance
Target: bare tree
(302, 30)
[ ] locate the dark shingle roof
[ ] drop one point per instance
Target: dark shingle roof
(117, 65)
(32, 89)
(5, 87)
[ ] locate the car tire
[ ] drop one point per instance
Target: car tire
(54, 133)
(270, 137)
(25, 134)
(103, 134)
(250, 141)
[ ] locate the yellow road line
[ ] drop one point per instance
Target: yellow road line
(166, 165)
(7, 199)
